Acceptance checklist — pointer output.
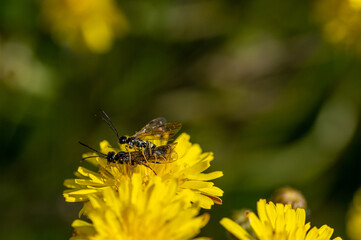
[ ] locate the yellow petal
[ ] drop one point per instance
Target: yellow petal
(235, 229)
(206, 176)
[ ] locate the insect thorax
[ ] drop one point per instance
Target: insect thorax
(143, 144)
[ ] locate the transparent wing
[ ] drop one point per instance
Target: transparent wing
(163, 154)
(158, 129)
(160, 155)
(153, 125)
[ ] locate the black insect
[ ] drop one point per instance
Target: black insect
(157, 129)
(159, 155)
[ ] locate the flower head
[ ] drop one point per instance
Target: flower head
(90, 24)
(155, 211)
(187, 170)
(278, 222)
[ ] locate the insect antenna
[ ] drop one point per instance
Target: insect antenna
(91, 157)
(108, 121)
(104, 155)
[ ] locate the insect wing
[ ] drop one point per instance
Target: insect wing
(163, 154)
(159, 129)
(152, 126)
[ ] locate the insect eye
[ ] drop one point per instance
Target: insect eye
(122, 139)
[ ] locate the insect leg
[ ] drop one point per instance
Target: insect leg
(147, 166)
(145, 158)
(107, 165)
(130, 155)
(163, 157)
(156, 158)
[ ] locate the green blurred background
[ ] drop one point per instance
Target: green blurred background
(256, 82)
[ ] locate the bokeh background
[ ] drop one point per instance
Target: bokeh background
(271, 87)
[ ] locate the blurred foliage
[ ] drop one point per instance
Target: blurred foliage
(255, 82)
(354, 218)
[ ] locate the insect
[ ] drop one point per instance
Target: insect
(161, 154)
(157, 129)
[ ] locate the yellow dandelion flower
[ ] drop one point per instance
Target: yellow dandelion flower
(278, 222)
(354, 218)
(82, 24)
(155, 211)
(187, 170)
(341, 21)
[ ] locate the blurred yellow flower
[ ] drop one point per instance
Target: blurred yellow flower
(341, 21)
(186, 170)
(354, 219)
(278, 222)
(85, 24)
(155, 211)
